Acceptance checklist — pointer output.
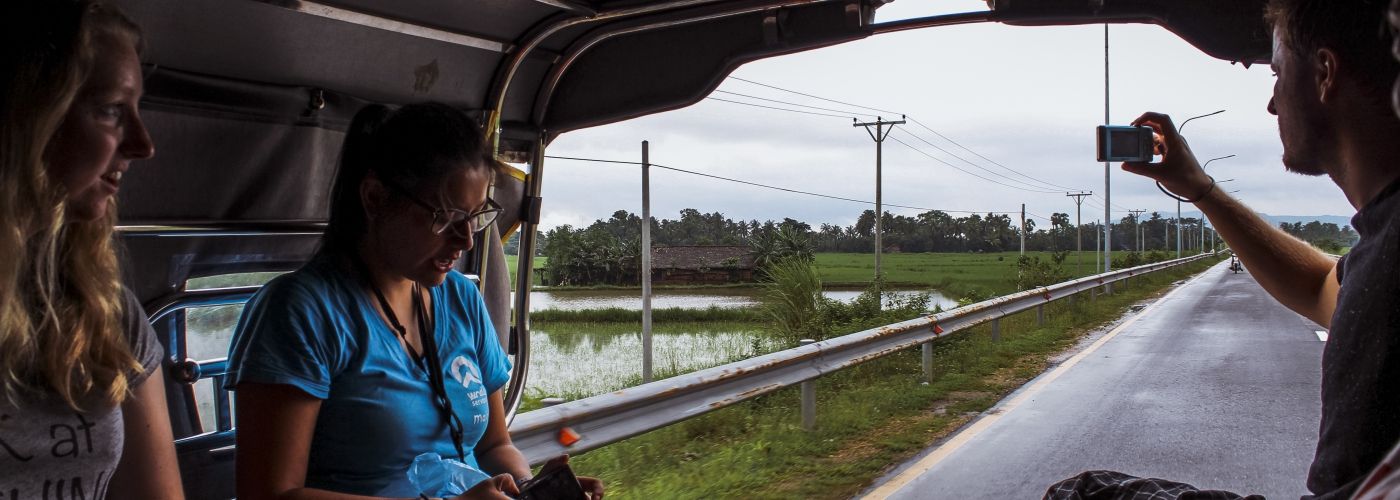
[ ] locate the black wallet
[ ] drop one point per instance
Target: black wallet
(555, 482)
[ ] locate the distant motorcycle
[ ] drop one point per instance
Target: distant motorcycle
(1235, 265)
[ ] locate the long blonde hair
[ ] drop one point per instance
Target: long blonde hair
(61, 300)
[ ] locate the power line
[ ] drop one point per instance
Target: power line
(1029, 187)
(779, 109)
(791, 103)
(964, 160)
(979, 155)
(955, 167)
(766, 186)
(916, 121)
(595, 160)
(814, 96)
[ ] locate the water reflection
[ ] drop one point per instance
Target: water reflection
(584, 360)
(573, 300)
(605, 358)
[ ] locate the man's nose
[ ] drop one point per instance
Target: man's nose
(1272, 110)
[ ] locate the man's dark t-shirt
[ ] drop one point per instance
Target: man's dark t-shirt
(1361, 362)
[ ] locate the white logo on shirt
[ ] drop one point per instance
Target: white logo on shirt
(465, 372)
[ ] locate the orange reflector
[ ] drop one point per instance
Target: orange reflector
(937, 330)
(568, 437)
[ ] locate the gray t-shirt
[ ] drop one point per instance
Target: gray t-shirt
(1361, 362)
(50, 452)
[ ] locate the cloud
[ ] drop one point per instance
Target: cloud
(1026, 97)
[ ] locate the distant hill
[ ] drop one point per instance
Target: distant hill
(1339, 220)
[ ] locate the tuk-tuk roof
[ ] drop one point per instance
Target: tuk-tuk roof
(583, 63)
(248, 100)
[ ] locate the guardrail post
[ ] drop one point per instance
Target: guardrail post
(1040, 315)
(928, 362)
(809, 398)
(996, 329)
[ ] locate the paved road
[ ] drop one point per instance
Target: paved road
(1215, 385)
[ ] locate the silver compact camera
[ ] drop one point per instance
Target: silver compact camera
(1124, 143)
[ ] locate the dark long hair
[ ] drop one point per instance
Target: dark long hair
(408, 146)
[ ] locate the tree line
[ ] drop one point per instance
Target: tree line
(608, 251)
(1326, 236)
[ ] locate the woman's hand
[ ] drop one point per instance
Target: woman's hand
(1179, 171)
(501, 487)
(592, 486)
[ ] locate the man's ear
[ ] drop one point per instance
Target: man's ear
(1325, 72)
(373, 195)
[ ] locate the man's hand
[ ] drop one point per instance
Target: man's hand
(1179, 171)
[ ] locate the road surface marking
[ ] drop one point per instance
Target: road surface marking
(1322, 335)
(991, 417)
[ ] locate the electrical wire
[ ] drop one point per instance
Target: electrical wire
(989, 160)
(779, 109)
(910, 118)
(955, 167)
(777, 188)
(814, 97)
(984, 169)
(790, 103)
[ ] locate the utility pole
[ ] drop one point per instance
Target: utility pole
(879, 135)
(1178, 229)
(1203, 214)
(1137, 228)
(1079, 231)
(1023, 229)
(646, 262)
(1203, 232)
(1107, 187)
(1098, 242)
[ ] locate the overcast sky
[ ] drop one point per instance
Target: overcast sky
(1027, 98)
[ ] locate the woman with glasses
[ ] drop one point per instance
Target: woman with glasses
(377, 351)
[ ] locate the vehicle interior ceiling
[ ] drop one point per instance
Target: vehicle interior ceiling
(248, 102)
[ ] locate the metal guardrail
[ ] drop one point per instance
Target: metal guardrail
(608, 418)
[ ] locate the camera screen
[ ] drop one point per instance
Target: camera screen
(1123, 143)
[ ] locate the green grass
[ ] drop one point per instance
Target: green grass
(955, 274)
(512, 262)
(666, 315)
(868, 417)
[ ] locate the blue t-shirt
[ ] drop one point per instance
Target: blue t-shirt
(316, 329)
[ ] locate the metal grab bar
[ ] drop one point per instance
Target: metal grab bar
(609, 418)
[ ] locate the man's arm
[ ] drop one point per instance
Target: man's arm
(1297, 275)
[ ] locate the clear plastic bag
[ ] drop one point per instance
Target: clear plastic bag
(435, 476)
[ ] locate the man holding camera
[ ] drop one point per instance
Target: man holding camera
(1334, 74)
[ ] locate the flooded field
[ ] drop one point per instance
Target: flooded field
(571, 300)
(571, 359)
(577, 360)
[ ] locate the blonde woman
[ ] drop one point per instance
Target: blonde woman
(82, 398)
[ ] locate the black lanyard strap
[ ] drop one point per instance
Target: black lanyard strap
(428, 361)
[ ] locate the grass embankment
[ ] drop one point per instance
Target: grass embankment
(665, 315)
(868, 417)
(955, 274)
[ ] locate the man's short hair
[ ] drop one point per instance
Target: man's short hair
(1356, 30)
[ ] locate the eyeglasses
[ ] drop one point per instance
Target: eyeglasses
(445, 219)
